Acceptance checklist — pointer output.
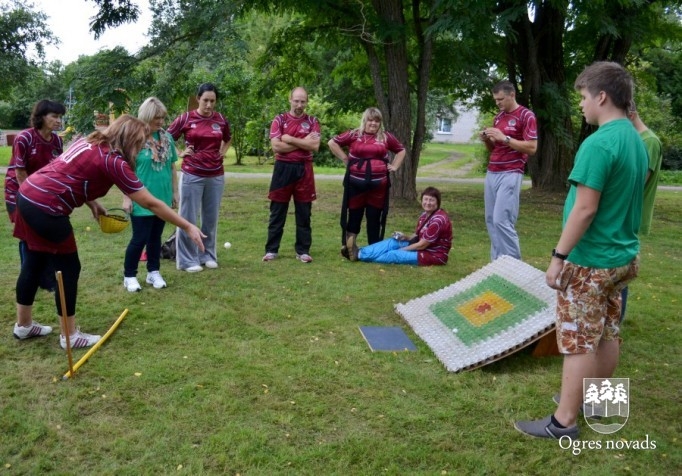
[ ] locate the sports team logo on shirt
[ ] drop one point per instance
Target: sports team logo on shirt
(607, 403)
(305, 126)
(512, 122)
(216, 127)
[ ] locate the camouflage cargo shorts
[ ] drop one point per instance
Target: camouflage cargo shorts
(588, 306)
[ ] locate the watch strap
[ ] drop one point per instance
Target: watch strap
(556, 254)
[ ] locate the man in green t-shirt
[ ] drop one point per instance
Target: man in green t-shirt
(597, 253)
(653, 148)
(655, 154)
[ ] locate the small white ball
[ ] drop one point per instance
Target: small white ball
(227, 245)
(87, 228)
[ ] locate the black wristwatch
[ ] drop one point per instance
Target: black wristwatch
(556, 254)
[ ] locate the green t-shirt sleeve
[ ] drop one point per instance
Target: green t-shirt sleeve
(590, 167)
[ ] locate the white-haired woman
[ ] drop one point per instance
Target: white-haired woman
(372, 154)
(156, 170)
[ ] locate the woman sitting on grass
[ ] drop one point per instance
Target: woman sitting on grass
(428, 246)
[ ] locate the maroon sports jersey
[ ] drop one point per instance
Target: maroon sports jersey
(29, 152)
(437, 230)
(366, 146)
(81, 174)
(520, 124)
(205, 135)
(298, 127)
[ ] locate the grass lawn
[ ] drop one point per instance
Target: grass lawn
(259, 368)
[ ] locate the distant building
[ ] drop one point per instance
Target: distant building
(457, 131)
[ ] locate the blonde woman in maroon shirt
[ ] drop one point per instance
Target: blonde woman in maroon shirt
(370, 154)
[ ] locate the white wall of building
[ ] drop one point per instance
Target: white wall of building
(461, 131)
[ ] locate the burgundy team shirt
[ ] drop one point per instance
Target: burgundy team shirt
(437, 230)
(29, 152)
(81, 174)
(519, 124)
(366, 146)
(298, 127)
(205, 135)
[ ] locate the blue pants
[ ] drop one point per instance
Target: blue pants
(388, 252)
(501, 195)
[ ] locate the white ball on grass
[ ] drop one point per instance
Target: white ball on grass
(227, 245)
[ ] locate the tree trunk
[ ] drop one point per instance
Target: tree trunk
(554, 157)
(551, 174)
(398, 116)
(535, 50)
(425, 47)
(375, 74)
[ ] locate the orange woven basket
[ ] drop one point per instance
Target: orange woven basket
(114, 222)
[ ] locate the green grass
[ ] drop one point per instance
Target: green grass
(259, 368)
(670, 177)
(5, 155)
(436, 152)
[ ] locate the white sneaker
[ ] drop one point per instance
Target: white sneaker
(269, 256)
(79, 340)
(211, 264)
(131, 284)
(154, 278)
(304, 258)
(34, 330)
(193, 269)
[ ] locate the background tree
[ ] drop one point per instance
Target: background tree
(104, 83)
(543, 46)
(398, 54)
(22, 30)
(408, 58)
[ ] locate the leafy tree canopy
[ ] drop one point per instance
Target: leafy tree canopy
(21, 28)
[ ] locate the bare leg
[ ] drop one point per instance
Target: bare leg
(70, 325)
(24, 315)
(608, 355)
(576, 368)
(601, 364)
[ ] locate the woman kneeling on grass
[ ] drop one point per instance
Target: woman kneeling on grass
(428, 246)
(86, 171)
